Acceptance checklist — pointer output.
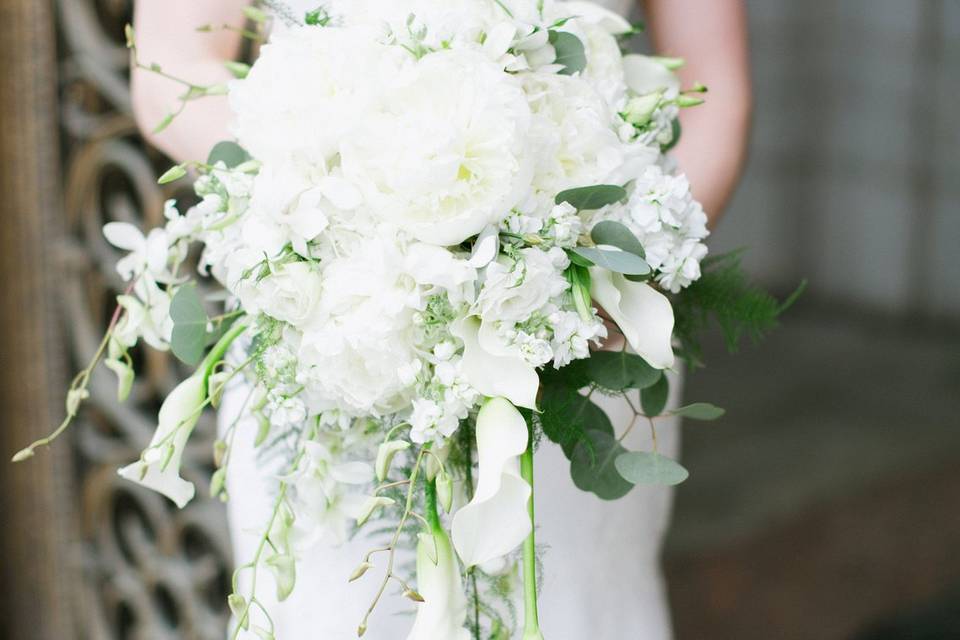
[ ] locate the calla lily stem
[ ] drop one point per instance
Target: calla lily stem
(531, 625)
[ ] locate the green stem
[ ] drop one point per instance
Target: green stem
(531, 625)
(430, 505)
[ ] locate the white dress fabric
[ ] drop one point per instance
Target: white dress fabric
(601, 571)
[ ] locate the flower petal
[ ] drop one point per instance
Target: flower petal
(124, 235)
(159, 466)
(610, 21)
(495, 374)
(645, 75)
(443, 613)
(495, 521)
(642, 313)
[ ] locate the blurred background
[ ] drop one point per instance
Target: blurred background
(824, 505)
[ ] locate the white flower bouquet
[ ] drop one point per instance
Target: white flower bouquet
(425, 205)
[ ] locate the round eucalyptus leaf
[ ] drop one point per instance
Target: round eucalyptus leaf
(619, 370)
(653, 399)
(617, 234)
(593, 197)
(700, 411)
(644, 467)
(615, 260)
(593, 466)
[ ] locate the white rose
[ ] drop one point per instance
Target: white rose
(290, 293)
(512, 292)
(449, 154)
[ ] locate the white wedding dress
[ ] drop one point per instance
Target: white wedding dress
(601, 572)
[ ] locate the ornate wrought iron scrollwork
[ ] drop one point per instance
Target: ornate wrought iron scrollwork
(150, 571)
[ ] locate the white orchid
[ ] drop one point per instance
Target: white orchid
(443, 612)
(148, 254)
(495, 521)
(495, 371)
(642, 313)
(159, 465)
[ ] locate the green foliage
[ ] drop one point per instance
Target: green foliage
(229, 153)
(593, 466)
(568, 416)
(700, 411)
(643, 467)
(571, 54)
(616, 261)
(189, 338)
(617, 235)
(619, 370)
(723, 295)
(653, 399)
(593, 197)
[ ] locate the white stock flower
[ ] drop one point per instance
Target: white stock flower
(448, 154)
(495, 521)
(443, 613)
(159, 465)
(642, 313)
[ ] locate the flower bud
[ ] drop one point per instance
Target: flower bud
(361, 569)
(412, 595)
(640, 109)
(385, 455)
(445, 491)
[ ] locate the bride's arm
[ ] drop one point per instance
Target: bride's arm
(166, 35)
(712, 37)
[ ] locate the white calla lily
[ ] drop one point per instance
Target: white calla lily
(159, 465)
(494, 372)
(443, 612)
(495, 521)
(642, 313)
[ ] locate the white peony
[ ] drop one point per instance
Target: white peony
(449, 153)
(308, 90)
(573, 132)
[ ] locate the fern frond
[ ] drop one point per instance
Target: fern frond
(724, 295)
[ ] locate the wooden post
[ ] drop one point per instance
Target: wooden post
(35, 507)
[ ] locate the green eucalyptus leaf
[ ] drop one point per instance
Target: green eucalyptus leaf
(578, 260)
(229, 153)
(615, 260)
(643, 467)
(593, 466)
(571, 54)
(699, 411)
(568, 415)
(592, 197)
(653, 399)
(619, 370)
(617, 234)
(189, 338)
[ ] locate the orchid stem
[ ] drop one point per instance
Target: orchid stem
(531, 625)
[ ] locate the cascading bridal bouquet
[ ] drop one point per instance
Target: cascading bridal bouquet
(423, 202)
